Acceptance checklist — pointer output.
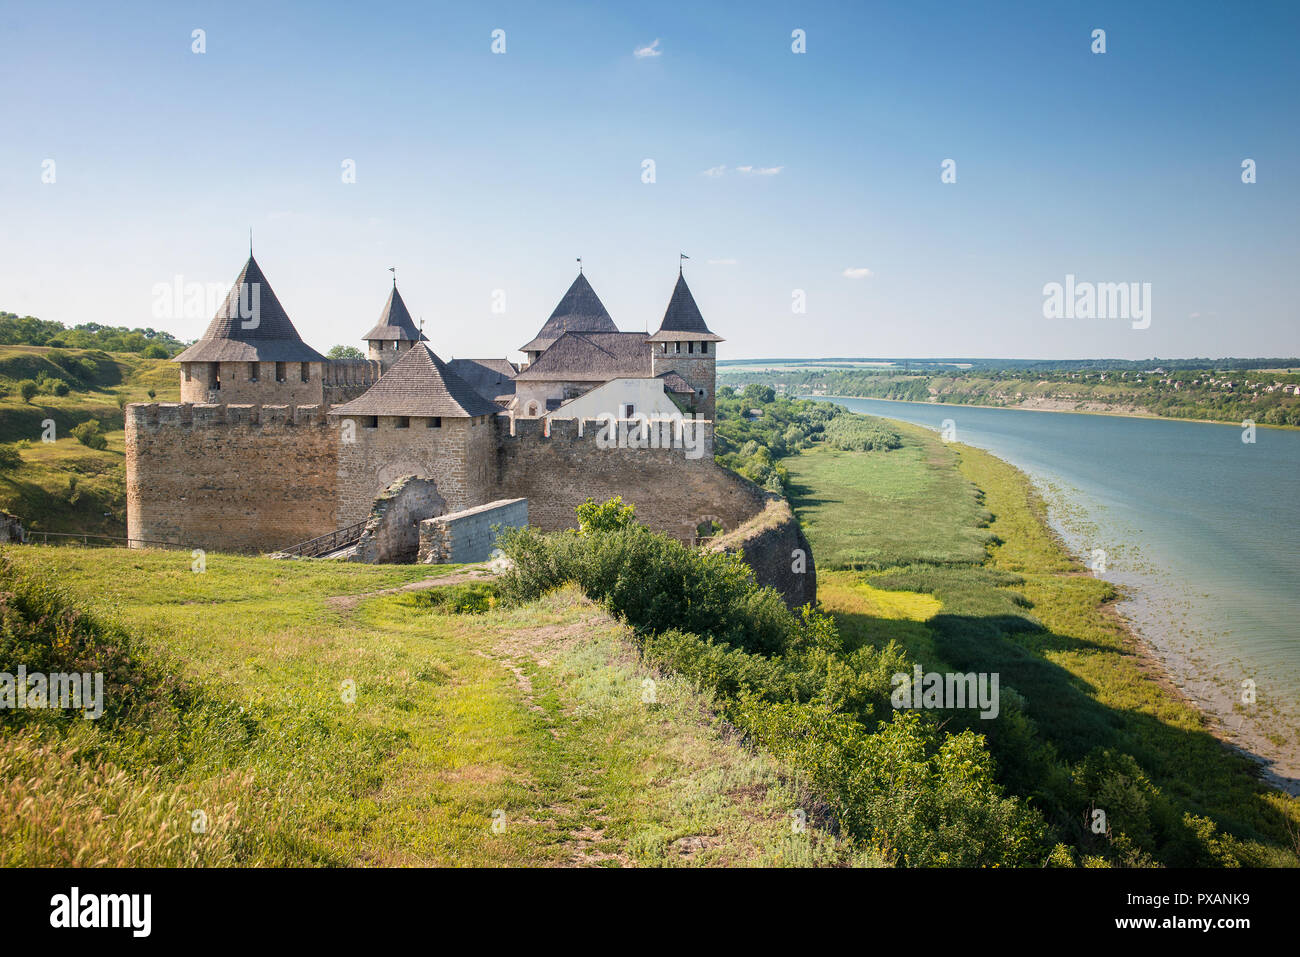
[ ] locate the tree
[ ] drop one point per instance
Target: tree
(604, 517)
(27, 388)
(344, 352)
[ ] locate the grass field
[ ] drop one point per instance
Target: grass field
(65, 486)
(534, 718)
(897, 538)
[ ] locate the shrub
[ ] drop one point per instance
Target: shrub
(89, 435)
(860, 433)
(27, 388)
(10, 458)
(606, 517)
(155, 352)
(651, 580)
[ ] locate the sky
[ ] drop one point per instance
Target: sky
(791, 179)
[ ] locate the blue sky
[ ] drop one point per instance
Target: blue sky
(478, 172)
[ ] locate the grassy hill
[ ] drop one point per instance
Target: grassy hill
(65, 486)
(534, 717)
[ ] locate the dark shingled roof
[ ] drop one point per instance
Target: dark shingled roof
(579, 311)
(273, 339)
(395, 321)
(420, 383)
(592, 357)
(682, 320)
(489, 377)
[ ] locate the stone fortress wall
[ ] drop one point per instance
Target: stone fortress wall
(260, 478)
(232, 478)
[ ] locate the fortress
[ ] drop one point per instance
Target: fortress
(273, 444)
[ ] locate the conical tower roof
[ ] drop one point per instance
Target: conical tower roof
(395, 321)
(250, 326)
(682, 319)
(420, 383)
(580, 310)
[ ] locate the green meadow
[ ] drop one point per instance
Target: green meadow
(320, 714)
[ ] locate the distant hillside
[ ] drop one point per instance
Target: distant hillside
(68, 485)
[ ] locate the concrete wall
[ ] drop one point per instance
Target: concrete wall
(672, 493)
(238, 386)
(229, 477)
(392, 532)
(469, 536)
(458, 455)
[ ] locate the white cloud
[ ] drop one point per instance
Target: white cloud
(760, 170)
(857, 272)
(715, 171)
(723, 262)
(648, 50)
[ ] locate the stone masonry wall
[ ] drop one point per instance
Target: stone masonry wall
(239, 388)
(774, 546)
(392, 532)
(672, 493)
(468, 536)
(229, 477)
(457, 455)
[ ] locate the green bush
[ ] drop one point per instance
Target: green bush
(652, 581)
(605, 517)
(89, 435)
(27, 388)
(10, 458)
(860, 433)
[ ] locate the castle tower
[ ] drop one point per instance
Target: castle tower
(420, 418)
(685, 345)
(579, 311)
(251, 353)
(394, 333)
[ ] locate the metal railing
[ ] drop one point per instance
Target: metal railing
(324, 544)
(31, 537)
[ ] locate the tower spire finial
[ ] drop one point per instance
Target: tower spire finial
(393, 270)
(579, 265)
(250, 242)
(681, 260)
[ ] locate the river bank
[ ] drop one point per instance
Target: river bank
(1040, 404)
(1196, 590)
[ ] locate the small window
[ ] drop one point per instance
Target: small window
(280, 372)
(370, 422)
(434, 422)
(403, 422)
(252, 372)
(663, 347)
(704, 348)
(677, 347)
(214, 375)
(690, 347)
(379, 346)
(306, 372)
